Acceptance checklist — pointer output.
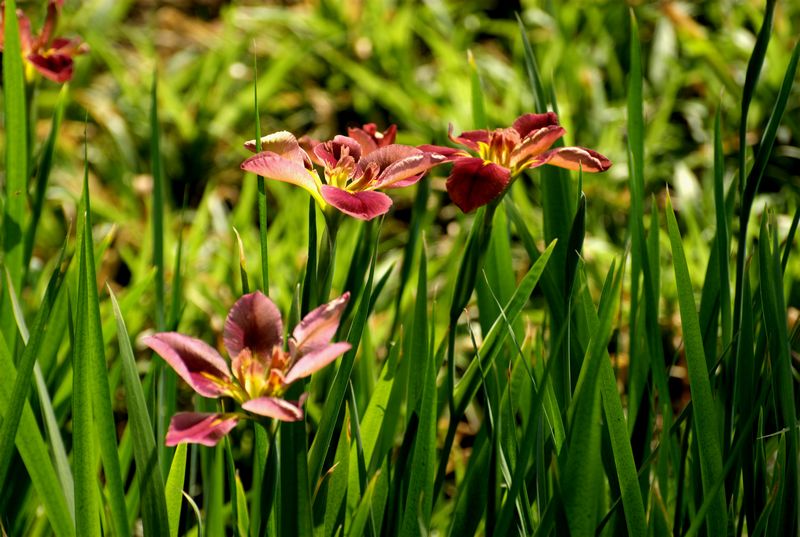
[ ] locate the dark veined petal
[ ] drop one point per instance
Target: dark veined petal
(199, 428)
(364, 205)
(574, 158)
(474, 182)
(283, 144)
(527, 123)
(408, 170)
(273, 407)
(317, 328)
(316, 360)
(194, 361)
(253, 323)
(536, 143)
(56, 67)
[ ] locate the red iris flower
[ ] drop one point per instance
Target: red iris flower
(261, 370)
(503, 154)
(50, 56)
(353, 170)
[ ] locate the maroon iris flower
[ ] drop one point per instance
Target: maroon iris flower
(261, 370)
(503, 154)
(52, 57)
(354, 168)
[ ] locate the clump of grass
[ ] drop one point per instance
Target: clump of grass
(560, 361)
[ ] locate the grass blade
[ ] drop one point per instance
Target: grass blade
(97, 381)
(16, 160)
(705, 420)
(151, 484)
(43, 174)
(173, 493)
(581, 482)
(34, 453)
(87, 516)
(774, 311)
(25, 366)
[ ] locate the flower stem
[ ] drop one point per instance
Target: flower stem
(471, 263)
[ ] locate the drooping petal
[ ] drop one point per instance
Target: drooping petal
(56, 67)
(449, 153)
(253, 323)
(283, 144)
(196, 362)
(474, 182)
(26, 39)
(574, 158)
(408, 170)
(199, 428)
(273, 166)
(469, 139)
(388, 155)
(273, 407)
(364, 139)
(317, 328)
(527, 123)
(364, 205)
(370, 138)
(49, 25)
(316, 360)
(536, 143)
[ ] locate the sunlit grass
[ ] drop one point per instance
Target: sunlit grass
(605, 353)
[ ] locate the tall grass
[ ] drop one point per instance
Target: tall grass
(591, 354)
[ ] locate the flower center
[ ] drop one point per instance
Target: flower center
(260, 376)
(499, 147)
(340, 174)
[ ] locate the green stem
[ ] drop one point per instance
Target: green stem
(471, 263)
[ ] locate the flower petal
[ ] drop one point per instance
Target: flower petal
(317, 328)
(56, 67)
(278, 168)
(330, 152)
(474, 182)
(574, 158)
(364, 205)
(253, 323)
(449, 153)
(316, 360)
(408, 171)
(273, 407)
(527, 123)
(283, 144)
(199, 428)
(194, 361)
(370, 139)
(469, 139)
(536, 143)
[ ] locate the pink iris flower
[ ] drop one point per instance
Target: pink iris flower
(354, 168)
(261, 370)
(52, 57)
(503, 154)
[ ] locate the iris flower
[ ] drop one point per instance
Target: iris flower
(261, 369)
(52, 57)
(353, 170)
(503, 154)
